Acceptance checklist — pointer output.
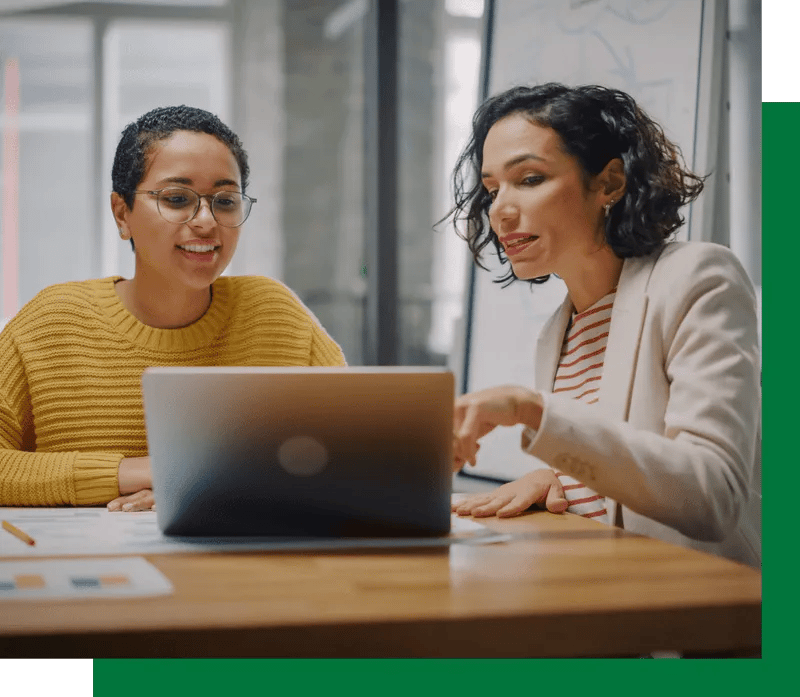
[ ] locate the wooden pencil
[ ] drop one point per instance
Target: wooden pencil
(16, 532)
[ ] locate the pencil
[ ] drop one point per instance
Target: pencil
(16, 532)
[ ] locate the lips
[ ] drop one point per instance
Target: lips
(515, 243)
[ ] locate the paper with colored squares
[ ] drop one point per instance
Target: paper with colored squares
(55, 579)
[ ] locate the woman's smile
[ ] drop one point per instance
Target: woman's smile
(203, 252)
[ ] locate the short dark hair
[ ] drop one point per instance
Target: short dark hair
(138, 137)
(596, 124)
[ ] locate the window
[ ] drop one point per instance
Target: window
(46, 174)
(289, 78)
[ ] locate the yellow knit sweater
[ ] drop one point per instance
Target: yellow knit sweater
(71, 363)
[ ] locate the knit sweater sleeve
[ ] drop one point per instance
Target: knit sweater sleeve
(30, 478)
(324, 350)
(287, 309)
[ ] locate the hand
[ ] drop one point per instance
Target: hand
(140, 501)
(459, 462)
(479, 413)
(537, 487)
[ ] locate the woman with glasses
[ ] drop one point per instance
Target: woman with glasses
(646, 406)
(71, 415)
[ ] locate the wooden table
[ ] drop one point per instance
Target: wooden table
(565, 586)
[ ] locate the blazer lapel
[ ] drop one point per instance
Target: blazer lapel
(624, 337)
(622, 349)
(548, 346)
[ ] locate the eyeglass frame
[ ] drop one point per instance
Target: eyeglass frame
(210, 197)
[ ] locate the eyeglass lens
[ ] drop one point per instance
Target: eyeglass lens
(179, 205)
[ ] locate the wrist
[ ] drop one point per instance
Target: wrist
(529, 409)
(134, 475)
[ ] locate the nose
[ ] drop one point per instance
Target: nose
(504, 210)
(204, 218)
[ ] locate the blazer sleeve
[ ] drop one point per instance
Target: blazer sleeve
(691, 472)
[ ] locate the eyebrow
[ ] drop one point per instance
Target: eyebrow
(187, 181)
(515, 161)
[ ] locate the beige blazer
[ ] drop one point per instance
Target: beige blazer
(673, 442)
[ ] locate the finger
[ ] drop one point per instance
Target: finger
(474, 427)
(477, 449)
(116, 504)
(120, 503)
(556, 498)
(458, 415)
(517, 505)
(457, 502)
(459, 456)
(490, 508)
(466, 450)
(474, 460)
(140, 501)
(142, 505)
(468, 432)
(522, 502)
(135, 506)
(467, 506)
(470, 502)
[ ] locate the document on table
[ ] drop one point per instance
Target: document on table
(56, 579)
(95, 531)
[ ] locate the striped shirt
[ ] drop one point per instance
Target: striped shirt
(578, 376)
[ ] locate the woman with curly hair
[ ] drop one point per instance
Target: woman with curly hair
(646, 406)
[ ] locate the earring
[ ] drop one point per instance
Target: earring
(607, 208)
(122, 234)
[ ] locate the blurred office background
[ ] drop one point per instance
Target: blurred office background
(289, 77)
(298, 80)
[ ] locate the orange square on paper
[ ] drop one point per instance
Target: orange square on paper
(29, 581)
(114, 580)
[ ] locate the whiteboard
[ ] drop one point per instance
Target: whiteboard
(664, 53)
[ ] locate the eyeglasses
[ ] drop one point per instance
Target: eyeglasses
(177, 204)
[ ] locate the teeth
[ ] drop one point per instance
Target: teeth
(524, 240)
(197, 247)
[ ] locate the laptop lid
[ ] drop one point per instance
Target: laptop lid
(321, 452)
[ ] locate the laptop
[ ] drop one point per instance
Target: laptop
(300, 452)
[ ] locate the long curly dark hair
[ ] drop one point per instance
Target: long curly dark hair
(595, 124)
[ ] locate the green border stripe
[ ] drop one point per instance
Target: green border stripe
(412, 677)
(781, 279)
